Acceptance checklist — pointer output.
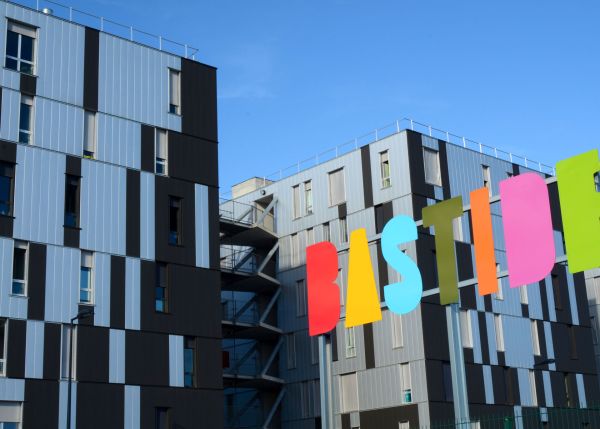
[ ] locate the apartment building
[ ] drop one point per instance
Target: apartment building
(526, 349)
(108, 230)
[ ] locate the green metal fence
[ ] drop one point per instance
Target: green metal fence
(550, 418)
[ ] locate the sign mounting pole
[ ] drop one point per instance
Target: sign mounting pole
(325, 382)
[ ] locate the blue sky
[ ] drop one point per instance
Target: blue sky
(299, 76)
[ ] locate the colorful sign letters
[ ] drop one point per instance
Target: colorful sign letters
(528, 237)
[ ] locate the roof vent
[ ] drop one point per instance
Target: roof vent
(47, 11)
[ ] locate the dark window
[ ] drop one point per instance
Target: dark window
(175, 220)
(447, 378)
(162, 417)
(189, 358)
(26, 120)
(161, 291)
(72, 201)
(7, 174)
(19, 282)
(20, 47)
(556, 291)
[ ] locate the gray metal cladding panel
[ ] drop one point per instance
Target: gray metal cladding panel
(101, 282)
(62, 403)
(132, 407)
(11, 101)
(412, 348)
(147, 214)
(202, 226)
(10, 305)
(12, 389)
(60, 53)
(103, 193)
(62, 283)
(39, 195)
(134, 82)
(132, 293)
(116, 359)
(119, 141)
(58, 126)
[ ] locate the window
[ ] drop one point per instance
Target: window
(431, 159)
(337, 191)
(174, 92)
(348, 393)
(403, 425)
(161, 290)
(89, 134)
(500, 294)
(487, 179)
(189, 362)
(20, 47)
(294, 249)
(26, 120)
(162, 418)
(533, 388)
(350, 343)
(7, 175)
(300, 298)
(19, 283)
(447, 379)
(161, 142)
(3, 338)
(406, 383)
(535, 339)
(397, 334)
(72, 201)
(523, 295)
(314, 350)
(326, 232)
(308, 197)
(343, 230)
(465, 329)
(296, 195)
(310, 236)
(85, 282)
(65, 350)
(175, 237)
(10, 415)
(384, 163)
(499, 333)
(291, 350)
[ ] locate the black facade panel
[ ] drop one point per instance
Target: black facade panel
(36, 281)
(539, 388)
(90, 69)
(468, 354)
(382, 270)
(199, 100)
(71, 237)
(8, 151)
(435, 334)
(189, 289)
(132, 228)
(193, 159)
(464, 261)
(369, 346)
(435, 380)
(147, 148)
(40, 409)
(389, 418)
(383, 213)
(592, 391)
(213, 228)
(417, 167)
(444, 169)
(73, 166)
(92, 354)
(346, 421)
(52, 344)
(100, 406)
(342, 210)
(88, 320)
(426, 258)
(467, 297)
(544, 299)
(487, 303)
(209, 363)
(583, 311)
(184, 253)
(555, 207)
(146, 359)
(334, 345)
(499, 385)
(475, 385)
(15, 359)
(365, 157)
(28, 84)
(117, 292)
(483, 338)
(6, 226)
(561, 294)
(559, 393)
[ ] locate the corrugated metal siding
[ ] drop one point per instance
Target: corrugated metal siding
(63, 387)
(101, 287)
(11, 102)
(519, 348)
(10, 305)
(488, 384)
(34, 349)
(12, 389)
(548, 389)
(132, 293)
(39, 195)
(103, 196)
(147, 215)
(62, 283)
(119, 141)
(176, 360)
(132, 407)
(58, 126)
(412, 329)
(116, 360)
(133, 82)
(60, 54)
(202, 235)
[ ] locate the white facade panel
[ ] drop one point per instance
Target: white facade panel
(58, 126)
(101, 289)
(132, 407)
(116, 361)
(147, 214)
(119, 141)
(39, 195)
(103, 202)
(34, 349)
(10, 305)
(63, 266)
(132, 293)
(133, 82)
(202, 235)
(176, 360)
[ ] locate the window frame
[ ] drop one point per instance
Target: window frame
(406, 382)
(161, 135)
(158, 285)
(20, 28)
(90, 138)
(18, 244)
(535, 339)
(167, 411)
(499, 331)
(350, 342)
(9, 168)
(326, 231)
(65, 349)
(174, 108)
(437, 181)
(190, 343)
(397, 330)
(330, 175)
(308, 196)
(26, 100)
(178, 221)
(487, 177)
(343, 222)
(296, 209)
(90, 288)
(77, 197)
(386, 180)
(466, 329)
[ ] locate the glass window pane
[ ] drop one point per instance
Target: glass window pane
(5, 185)
(18, 288)
(19, 264)
(27, 48)
(11, 63)
(12, 44)
(26, 68)
(25, 118)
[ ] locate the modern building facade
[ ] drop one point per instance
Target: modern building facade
(525, 349)
(109, 206)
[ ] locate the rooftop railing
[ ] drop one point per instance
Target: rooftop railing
(71, 14)
(394, 128)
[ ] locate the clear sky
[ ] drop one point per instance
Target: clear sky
(299, 76)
